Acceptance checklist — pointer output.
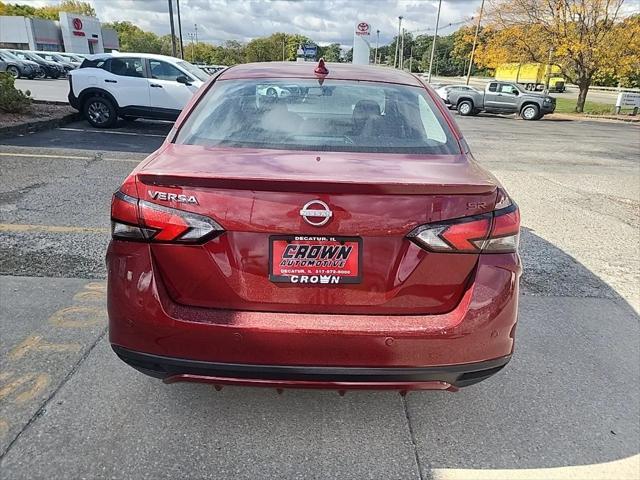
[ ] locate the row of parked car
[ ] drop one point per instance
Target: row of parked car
(36, 64)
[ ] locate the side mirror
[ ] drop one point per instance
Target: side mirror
(516, 93)
(183, 79)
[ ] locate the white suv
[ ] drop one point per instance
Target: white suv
(108, 86)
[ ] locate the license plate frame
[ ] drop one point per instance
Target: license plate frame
(314, 275)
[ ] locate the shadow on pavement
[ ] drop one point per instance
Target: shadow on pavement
(140, 136)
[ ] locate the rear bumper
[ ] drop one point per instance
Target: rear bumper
(175, 342)
(446, 377)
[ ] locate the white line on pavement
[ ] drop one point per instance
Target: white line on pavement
(65, 157)
(111, 132)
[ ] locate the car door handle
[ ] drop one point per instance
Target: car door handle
(111, 81)
(155, 85)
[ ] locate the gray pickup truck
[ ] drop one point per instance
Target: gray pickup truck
(503, 97)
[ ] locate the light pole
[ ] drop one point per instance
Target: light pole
(435, 36)
(173, 32)
(395, 60)
(402, 51)
(475, 41)
(180, 29)
(191, 37)
(411, 60)
(375, 57)
(433, 46)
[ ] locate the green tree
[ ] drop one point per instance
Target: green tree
(8, 9)
(331, 53)
(49, 12)
(230, 53)
(134, 39)
(52, 12)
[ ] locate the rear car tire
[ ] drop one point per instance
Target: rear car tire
(100, 112)
(530, 112)
(13, 71)
(465, 108)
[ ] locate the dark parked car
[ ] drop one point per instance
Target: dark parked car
(67, 64)
(19, 68)
(345, 241)
(49, 69)
(503, 97)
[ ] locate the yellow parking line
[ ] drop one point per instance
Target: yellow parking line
(65, 157)
(14, 227)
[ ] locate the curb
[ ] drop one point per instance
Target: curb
(37, 125)
(596, 118)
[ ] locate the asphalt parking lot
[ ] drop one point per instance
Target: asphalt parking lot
(567, 405)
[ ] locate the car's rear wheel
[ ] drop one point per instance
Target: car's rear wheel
(465, 108)
(100, 112)
(13, 71)
(271, 92)
(40, 74)
(530, 112)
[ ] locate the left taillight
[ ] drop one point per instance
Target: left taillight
(138, 220)
(495, 232)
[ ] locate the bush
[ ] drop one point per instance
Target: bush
(12, 100)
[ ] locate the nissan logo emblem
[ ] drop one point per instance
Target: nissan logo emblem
(316, 213)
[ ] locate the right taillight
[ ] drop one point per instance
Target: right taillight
(139, 220)
(495, 232)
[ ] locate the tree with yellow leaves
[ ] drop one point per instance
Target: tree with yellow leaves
(583, 37)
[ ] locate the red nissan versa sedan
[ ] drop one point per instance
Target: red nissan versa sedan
(314, 226)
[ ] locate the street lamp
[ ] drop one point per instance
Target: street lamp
(395, 60)
(375, 57)
(433, 46)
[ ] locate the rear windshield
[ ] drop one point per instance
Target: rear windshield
(300, 114)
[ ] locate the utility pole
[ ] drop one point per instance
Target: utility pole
(395, 60)
(190, 37)
(180, 30)
(173, 32)
(283, 40)
(548, 71)
(375, 57)
(475, 41)
(195, 26)
(402, 50)
(411, 60)
(433, 46)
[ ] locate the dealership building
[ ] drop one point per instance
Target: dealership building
(72, 33)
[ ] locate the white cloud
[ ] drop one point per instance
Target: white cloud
(324, 21)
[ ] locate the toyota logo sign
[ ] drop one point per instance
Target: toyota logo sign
(316, 213)
(77, 24)
(362, 28)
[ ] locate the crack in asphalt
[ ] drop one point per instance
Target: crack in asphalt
(43, 407)
(11, 196)
(412, 435)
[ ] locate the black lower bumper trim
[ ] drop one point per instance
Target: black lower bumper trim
(458, 375)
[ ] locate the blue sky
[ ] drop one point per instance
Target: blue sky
(325, 21)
